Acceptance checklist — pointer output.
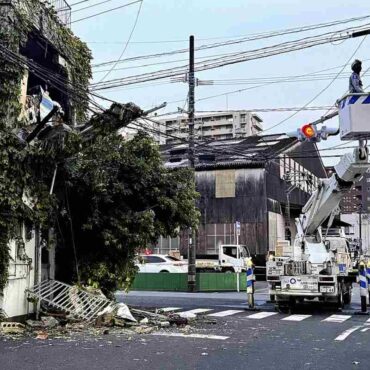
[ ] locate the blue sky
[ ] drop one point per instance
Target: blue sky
(175, 20)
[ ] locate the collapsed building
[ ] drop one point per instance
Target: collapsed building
(39, 55)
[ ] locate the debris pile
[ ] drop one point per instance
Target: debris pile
(66, 309)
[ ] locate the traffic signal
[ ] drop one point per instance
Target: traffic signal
(309, 132)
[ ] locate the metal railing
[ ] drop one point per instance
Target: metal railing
(70, 299)
(63, 10)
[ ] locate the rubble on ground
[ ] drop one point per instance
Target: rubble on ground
(114, 319)
(67, 310)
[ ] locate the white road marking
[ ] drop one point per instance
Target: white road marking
(368, 321)
(366, 329)
(346, 333)
(261, 315)
(225, 313)
(337, 318)
(198, 336)
(296, 317)
(169, 309)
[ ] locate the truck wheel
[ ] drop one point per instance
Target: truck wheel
(340, 297)
(282, 308)
(165, 271)
(347, 297)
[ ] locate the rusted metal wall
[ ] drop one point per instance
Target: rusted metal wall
(248, 206)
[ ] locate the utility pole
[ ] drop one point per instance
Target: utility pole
(360, 227)
(192, 240)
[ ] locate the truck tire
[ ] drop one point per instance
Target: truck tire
(340, 297)
(283, 308)
(347, 297)
(165, 271)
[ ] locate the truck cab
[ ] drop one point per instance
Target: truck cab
(230, 258)
(229, 255)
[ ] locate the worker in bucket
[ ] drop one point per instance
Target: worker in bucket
(355, 83)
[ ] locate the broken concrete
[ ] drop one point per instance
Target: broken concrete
(49, 322)
(12, 328)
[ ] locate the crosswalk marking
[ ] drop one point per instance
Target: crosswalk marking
(365, 329)
(257, 316)
(296, 317)
(261, 315)
(170, 309)
(346, 333)
(225, 313)
(337, 318)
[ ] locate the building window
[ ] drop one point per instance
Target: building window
(225, 184)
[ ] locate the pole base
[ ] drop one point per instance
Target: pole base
(360, 313)
(254, 309)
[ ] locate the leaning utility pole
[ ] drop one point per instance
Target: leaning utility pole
(192, 240)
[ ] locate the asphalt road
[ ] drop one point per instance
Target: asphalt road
(237, 339)
(219, 300)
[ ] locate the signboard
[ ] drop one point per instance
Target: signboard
(237, 226)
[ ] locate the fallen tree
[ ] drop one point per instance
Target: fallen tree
(109, 197)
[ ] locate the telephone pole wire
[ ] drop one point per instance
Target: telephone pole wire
(191, 157)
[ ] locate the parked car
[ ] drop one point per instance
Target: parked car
(161, 263)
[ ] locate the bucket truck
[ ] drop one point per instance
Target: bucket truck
(318, 265)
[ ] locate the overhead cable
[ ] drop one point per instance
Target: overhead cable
(251, 37)
(322, 90)
(127, 43)
(106, 11)
(232, 59)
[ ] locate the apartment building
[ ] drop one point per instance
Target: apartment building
(217, 125)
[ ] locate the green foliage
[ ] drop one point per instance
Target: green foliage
(29, 170)
(111, 197)
(122, 199)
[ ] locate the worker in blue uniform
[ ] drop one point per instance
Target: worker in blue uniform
(355, 83)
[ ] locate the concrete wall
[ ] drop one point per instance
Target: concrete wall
(21, 277)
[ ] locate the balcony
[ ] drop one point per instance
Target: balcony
(63, 10)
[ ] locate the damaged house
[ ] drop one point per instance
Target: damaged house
(260, 181)
(37, 45)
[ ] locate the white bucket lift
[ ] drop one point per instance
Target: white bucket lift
(354, 116)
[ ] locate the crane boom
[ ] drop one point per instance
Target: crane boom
(330, 192)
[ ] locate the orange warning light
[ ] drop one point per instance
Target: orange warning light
(308, 131)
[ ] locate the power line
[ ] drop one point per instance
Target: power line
(248, 88)
(234, 58)
(74, 92)
(321, 91)
(91, 6)
(251, 37)
(106, 11)
(266, 34)
(79, 2)
(127, 42)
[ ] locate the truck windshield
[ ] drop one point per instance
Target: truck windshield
(231, 250)
(244, 252)
(317, 252)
